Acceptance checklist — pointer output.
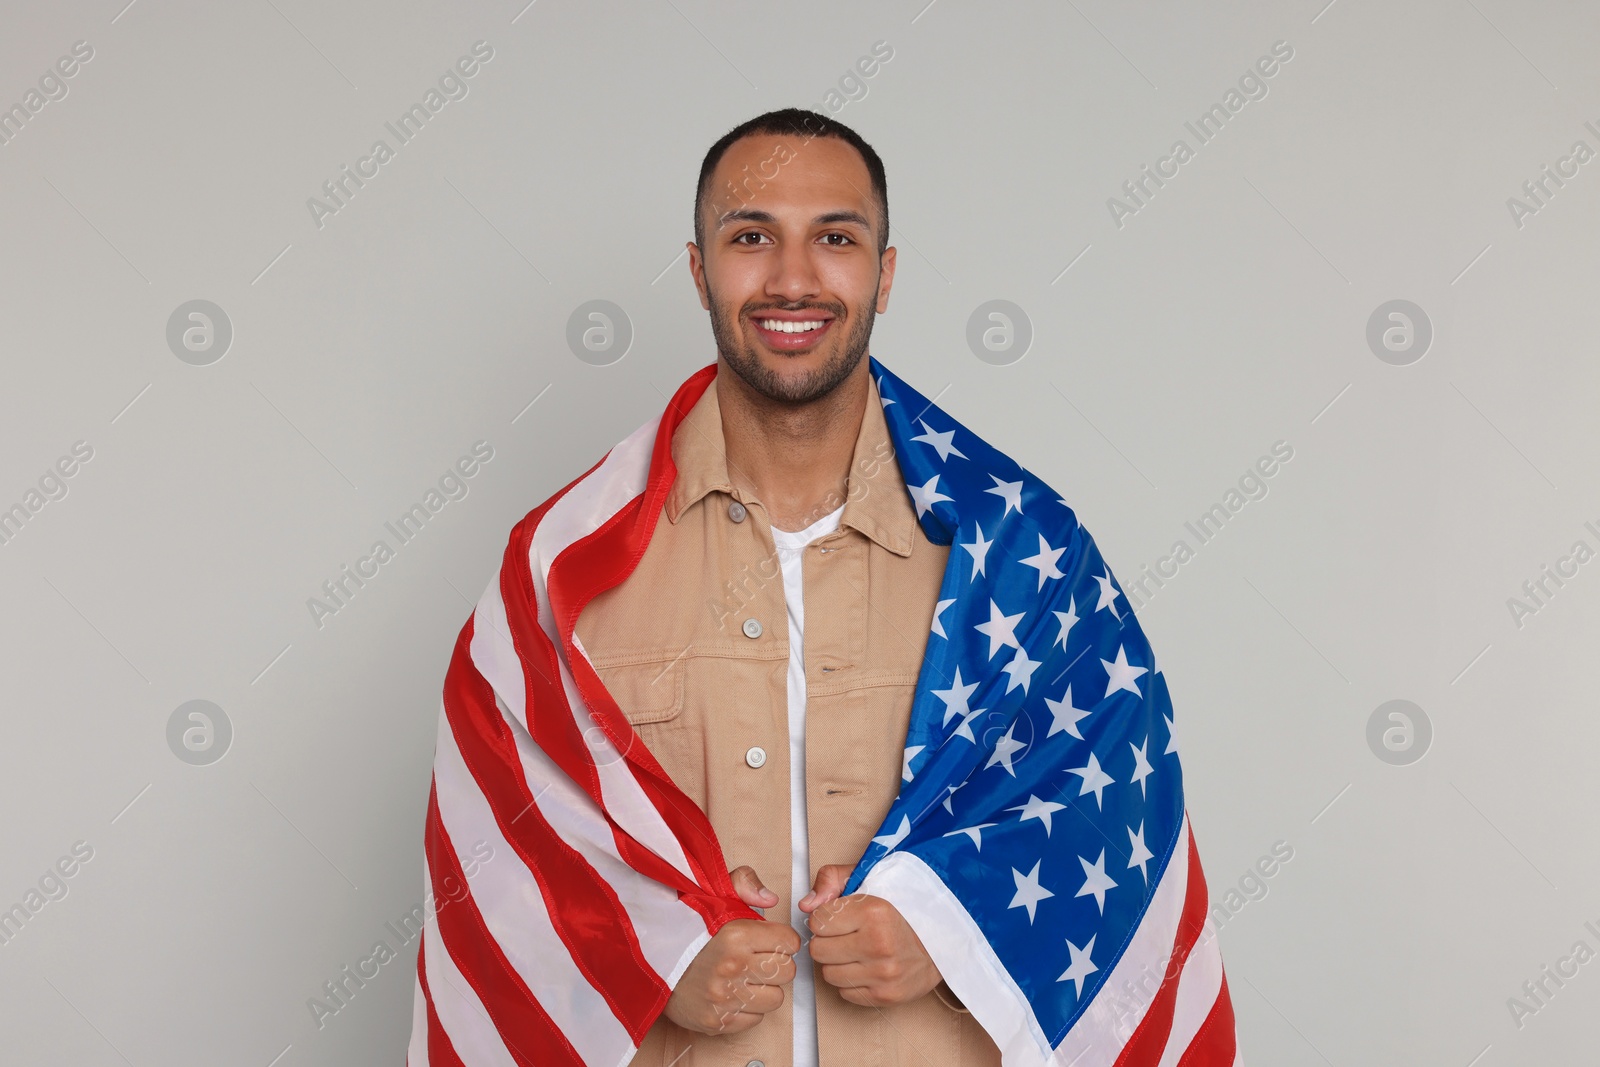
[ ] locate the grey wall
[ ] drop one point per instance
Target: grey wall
(1172, 346)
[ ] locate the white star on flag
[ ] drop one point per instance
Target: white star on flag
(1038, 809)
(1141, 854)
(1172, 738)
(1000, 629)
(1011, 492)
(1068, 620)
(1020, 669)
(1005, 748)
(979, 548)
(964, 727)
(1045, 562)
(905, 766)
(1141, 765)
(1096, 881)
(974, 832)
(1108, 592)
(926, 496)
(1119, 675)
(892, 841)
(1066, 717)
(1094, 779)
(950, 791)
(955, 698)
(940, 442)
(938, 623)
(1080, 966)
(1029, 891)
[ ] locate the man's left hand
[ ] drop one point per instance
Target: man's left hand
(865, 947)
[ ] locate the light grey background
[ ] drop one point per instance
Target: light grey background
(368, 354)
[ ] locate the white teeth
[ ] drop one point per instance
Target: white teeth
(785, 326)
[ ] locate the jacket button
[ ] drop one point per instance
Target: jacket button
(755, 1063)
(755, 756)
(752, 628)
(736, 511)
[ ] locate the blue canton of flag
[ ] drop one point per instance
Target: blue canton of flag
(1041, 785)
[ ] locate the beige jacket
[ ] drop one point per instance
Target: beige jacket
(694, 646)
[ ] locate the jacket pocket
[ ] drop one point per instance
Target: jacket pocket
(647, 691)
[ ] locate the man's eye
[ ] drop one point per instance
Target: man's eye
(843, 239)
(741, 238)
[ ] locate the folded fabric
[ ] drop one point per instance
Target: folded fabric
(1039, 846)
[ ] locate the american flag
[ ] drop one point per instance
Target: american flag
(1039, 845)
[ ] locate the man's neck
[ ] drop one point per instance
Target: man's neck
(794, 459)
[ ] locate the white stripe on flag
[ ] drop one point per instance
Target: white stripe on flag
(514, 911)
(583, 509)
(461, 1016)
(657, 914)
(417, 1051)
(606, 490)
(670, 932)
(1198, 987)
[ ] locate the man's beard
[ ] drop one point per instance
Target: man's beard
(746, 362)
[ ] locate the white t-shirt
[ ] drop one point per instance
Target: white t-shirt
(790, 547)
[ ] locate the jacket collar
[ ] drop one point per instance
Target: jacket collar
(876, 502)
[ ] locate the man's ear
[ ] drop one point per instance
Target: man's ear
(697, 268)
(885, 279)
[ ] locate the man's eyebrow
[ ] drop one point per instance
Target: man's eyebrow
(766, 217)
(843, 216)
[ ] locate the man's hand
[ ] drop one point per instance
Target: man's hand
(866, 948)
(739, 976)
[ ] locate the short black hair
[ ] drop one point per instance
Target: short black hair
(794, 122)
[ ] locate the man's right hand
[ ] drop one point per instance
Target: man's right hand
(740, 974)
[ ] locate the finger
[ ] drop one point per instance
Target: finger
(734, 1022)
(750, 889)
(772, 968)
(860, 995)
(758, 937)
(758, 999)
(830, 882)
(840, 948)
(846, 976)
(841, 915)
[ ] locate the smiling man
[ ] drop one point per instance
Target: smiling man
(767, 645)
(762, 752)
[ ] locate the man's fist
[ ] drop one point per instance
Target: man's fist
(739, 976)
(864, 945)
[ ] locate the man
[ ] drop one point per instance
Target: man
(729, 797)
(791, 258)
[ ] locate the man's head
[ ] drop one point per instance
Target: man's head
(792, 228)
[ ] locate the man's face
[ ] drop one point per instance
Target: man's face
(790, 270)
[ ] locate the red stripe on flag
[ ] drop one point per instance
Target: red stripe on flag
(1149, 1041)
(528, 1032)
(548, 716)
(441, 1053)
(550, 719)
(584, 909)
(1214, 1045)
(599, 561)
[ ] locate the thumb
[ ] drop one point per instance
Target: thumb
(830, 882)
(750, 889)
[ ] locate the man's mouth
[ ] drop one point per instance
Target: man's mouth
(791, 334)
